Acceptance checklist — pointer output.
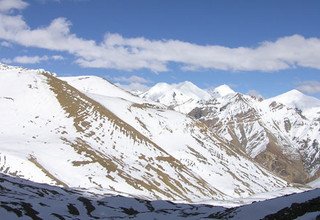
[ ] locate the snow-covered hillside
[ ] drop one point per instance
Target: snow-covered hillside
(281, 133)
(21, 199)
(53, 133)
(185, 142)
(277, 136)
(100, 86)
(88, 135)
(103, 139)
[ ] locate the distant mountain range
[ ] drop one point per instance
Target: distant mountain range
(280, 133)
(174, 142)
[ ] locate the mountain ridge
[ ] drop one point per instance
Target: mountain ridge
(67, 137)
(282, 130)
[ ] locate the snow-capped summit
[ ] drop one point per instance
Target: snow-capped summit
(296, 99)
(182, 96)
(221, 90)
(188, 89)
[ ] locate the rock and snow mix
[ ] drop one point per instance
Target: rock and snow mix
(84, 132)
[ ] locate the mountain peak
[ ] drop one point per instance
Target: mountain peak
(186, 83)
(293, 92)
(183, 95)
(222, 90)
(296, 99)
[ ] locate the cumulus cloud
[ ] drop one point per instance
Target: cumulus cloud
(30, 59)
(309, 87)
(5, 44)
(121, 53)
(131, 79)
(135, 84)
(135, 88)
(9, 5)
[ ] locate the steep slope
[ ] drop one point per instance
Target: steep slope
(259, 130)
(100, 86)
(193, 145)
(63, 137)
(301, 131)
(21, 199)
(182, 97)
(53, 133)
(298, 117)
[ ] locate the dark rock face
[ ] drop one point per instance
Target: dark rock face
(22, 198)
(296, 210)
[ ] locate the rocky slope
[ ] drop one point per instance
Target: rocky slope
(281, 133)
(280, 138)
(85, 132)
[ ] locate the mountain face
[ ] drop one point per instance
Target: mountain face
(280, 138)
(182, 97)
(87, 133)
(297, 100)
(280, 133)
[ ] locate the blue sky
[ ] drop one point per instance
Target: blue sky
(267, 47)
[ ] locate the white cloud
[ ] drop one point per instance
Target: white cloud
(118, 52)
(30, 59)
(131, 79)
(5, 44)
(310, 87)
(135, 84)
(135, 88)
(57, 57)
(9, 5)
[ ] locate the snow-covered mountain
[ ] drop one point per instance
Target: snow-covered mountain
(85, 132)
(96, 141)
(182, 97)
(295, 99)
(279, 137)
(220, 91)
(281, 133)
